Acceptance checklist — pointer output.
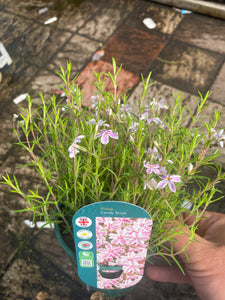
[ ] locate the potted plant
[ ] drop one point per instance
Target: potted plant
(107, 152)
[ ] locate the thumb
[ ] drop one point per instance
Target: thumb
(166, 274)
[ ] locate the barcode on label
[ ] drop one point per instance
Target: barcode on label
(86, 263)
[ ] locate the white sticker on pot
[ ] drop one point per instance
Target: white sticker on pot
(83, 222)
(84, 234)
(85, 245)
(86, 259)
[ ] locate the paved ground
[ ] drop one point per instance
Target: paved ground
(184, 52)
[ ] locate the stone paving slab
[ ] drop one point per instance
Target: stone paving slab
(124, 47)
(160, 91)
(126, 80)
(8, 247)
(73, 18)
(13, 231)
(14, 27)
(25, 8)
(6, 140)
(184, 66)
(31, 273)
(218, 88)
(203, 32)
(103, 24)
(27, 41)
(16, 81)
(79, 51)
(47, 82)
(45, 43)
(166, 19)
(45, 241)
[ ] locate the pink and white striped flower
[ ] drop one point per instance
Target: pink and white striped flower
(106, 283)
(154, 120)
(105, 134)
(133, 267)
(72, 148)
(118, 238)
(151, 168)
(108, 252)
(107, 224)
(150, 184)
(131, 279)
(144, 223)
(131, 258)
(139, 238)
(159, 105)
(169, 180)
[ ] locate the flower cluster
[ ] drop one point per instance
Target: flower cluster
(122, 242)
(125, 114)
(167, 179)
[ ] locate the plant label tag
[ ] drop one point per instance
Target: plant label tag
(111, 242)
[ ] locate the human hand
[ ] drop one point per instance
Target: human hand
(205, 269)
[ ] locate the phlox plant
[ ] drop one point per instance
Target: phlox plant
(107, 151)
